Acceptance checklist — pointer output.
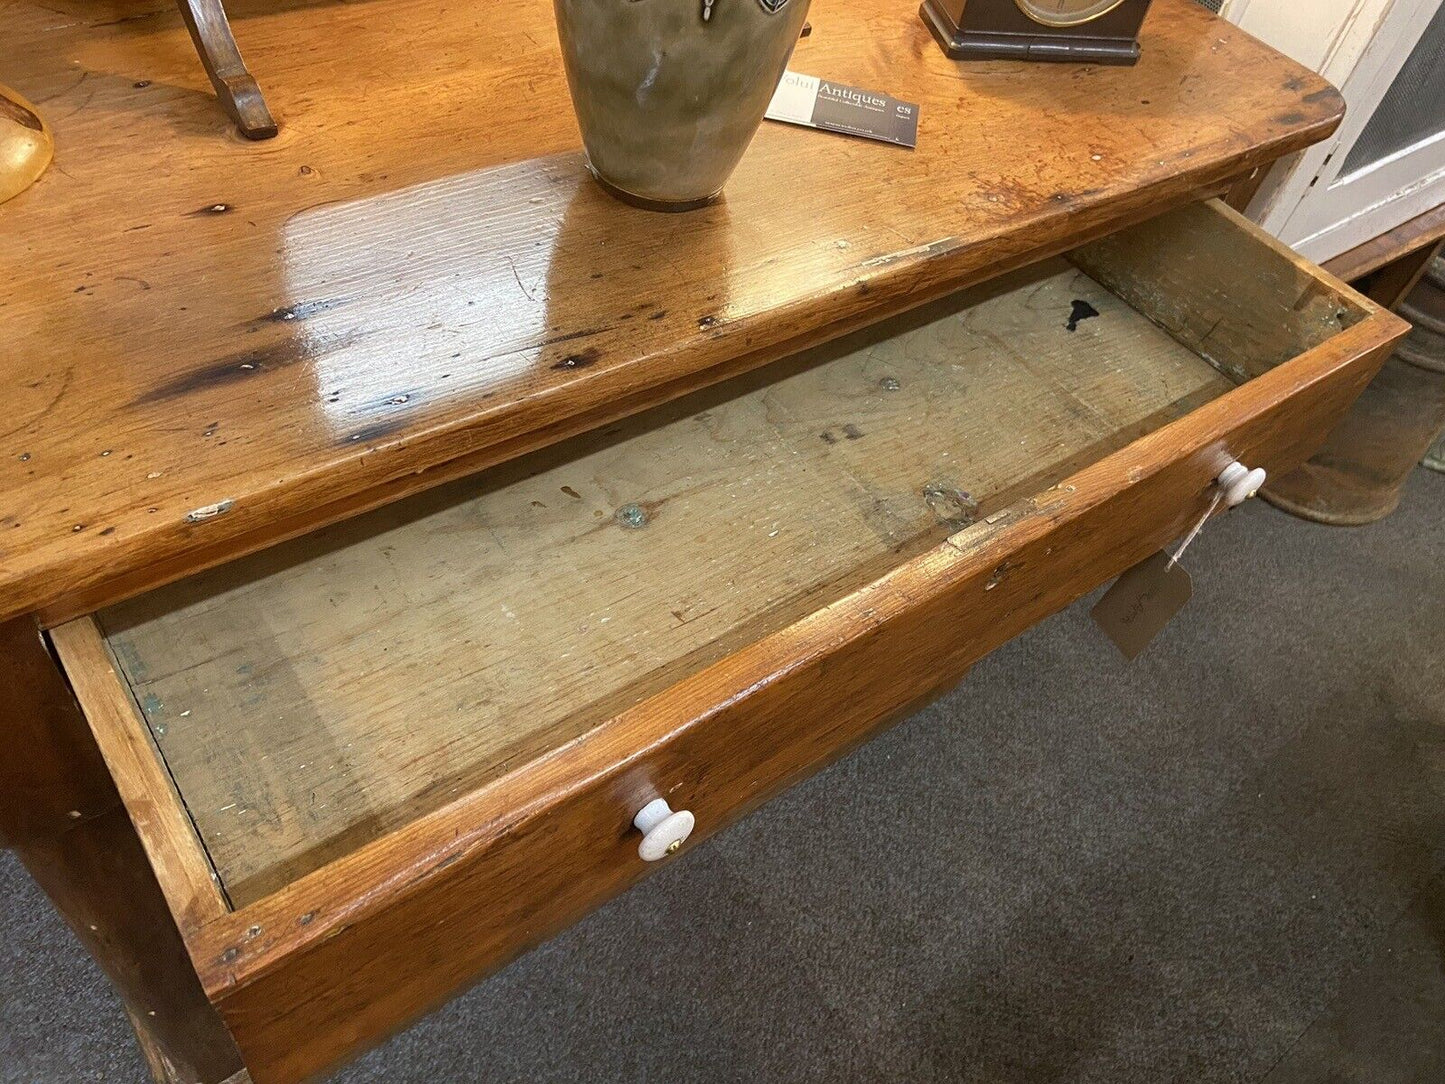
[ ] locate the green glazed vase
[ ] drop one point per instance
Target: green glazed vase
(668, 93)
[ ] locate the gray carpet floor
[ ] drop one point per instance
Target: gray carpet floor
(1222, 862)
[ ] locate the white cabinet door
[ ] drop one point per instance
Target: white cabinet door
(1386, 164)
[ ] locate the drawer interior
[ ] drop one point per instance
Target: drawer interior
(311, 698)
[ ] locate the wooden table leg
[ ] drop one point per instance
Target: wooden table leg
(60, 811)
(235, 86)
(1243, 188)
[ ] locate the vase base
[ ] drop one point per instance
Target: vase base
(669, 206)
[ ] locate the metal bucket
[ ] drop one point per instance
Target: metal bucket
(1358, 475)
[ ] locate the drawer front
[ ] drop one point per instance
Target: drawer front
(345, 955)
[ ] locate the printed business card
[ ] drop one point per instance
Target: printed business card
(836, 107)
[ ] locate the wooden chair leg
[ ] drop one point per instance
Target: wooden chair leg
(235, 86)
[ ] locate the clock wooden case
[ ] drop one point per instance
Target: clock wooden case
(1055, 30)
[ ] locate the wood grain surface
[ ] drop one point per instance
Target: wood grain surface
(348, 952)
(1230, 291)
(344, 955)
(318, 695)
(213, 344)
(140, 776)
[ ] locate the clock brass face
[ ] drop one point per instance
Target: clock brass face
(1066, 12)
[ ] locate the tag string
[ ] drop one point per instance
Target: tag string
(1194, 531)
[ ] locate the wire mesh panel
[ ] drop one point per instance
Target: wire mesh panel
(1413, 109)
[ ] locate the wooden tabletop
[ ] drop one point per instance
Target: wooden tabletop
(208, 344)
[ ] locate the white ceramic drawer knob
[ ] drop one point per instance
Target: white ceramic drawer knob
(663, 831)
(1239, 483)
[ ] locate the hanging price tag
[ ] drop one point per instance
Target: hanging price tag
(1141, 602)
(1146, 598)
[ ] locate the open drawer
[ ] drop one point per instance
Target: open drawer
(373, 764)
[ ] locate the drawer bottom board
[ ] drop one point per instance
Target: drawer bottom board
(316, 696)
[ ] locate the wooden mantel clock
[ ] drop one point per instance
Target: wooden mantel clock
(1091, 31)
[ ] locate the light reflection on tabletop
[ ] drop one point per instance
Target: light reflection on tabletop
(191, 321)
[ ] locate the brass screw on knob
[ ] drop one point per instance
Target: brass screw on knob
(663, 831)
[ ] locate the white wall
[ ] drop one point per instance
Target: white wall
(1327, 36)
